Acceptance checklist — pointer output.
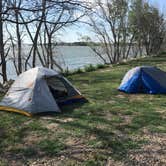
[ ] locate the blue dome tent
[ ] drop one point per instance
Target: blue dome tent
(145, 79)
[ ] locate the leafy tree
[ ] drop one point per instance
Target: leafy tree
(110, 23)
(149, 25)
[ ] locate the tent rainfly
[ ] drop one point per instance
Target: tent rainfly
(39, 90)
(145, 79)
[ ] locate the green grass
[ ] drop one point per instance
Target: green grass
(110, 124)
(87, 68)
(51, 147)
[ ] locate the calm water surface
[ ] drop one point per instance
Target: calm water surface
(71, 57)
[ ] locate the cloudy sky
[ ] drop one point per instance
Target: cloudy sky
(73, 33)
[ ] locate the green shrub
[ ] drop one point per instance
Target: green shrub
(101, 66)
(78, 71)
(162, 53)
(89, 68)
(66, 72)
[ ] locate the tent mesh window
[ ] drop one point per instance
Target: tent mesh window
(57, 88)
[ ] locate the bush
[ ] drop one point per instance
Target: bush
(78, 71)
(89, 68)
(162, 53)
(66, 72)
(101, 66)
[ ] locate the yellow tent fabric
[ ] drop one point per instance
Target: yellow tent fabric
(10, 109)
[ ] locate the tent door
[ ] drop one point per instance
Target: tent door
(57, 88)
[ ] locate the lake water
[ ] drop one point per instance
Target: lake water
(74, 57)
(70, 57)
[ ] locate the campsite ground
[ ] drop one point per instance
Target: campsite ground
(113, 128)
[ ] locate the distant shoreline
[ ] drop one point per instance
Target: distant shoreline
(73, 44)
(76, 44)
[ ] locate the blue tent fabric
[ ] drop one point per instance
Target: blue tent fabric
(145, 79)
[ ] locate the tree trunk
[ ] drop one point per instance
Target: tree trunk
(2, 54)
(50, 51)
(37, 33)
(19, 44)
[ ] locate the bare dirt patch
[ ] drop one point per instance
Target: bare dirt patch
(52, 126)
(126, 119)
(104, 70)
(111, 162)
(152, 153)
(47, 117)
(65, 120)
(73, 156)
(32, 138)
(121, 96)
(136, 98)
(162, 111)
(28, 122)
(70, 141)
(111, 101)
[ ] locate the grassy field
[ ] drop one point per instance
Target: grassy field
(112, 129)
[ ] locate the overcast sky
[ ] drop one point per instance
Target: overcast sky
(72, 33)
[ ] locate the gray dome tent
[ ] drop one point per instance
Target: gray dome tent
(39, 90)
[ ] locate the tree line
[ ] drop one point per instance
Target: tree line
(123, 26)
(117, 24)
(39, 21)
